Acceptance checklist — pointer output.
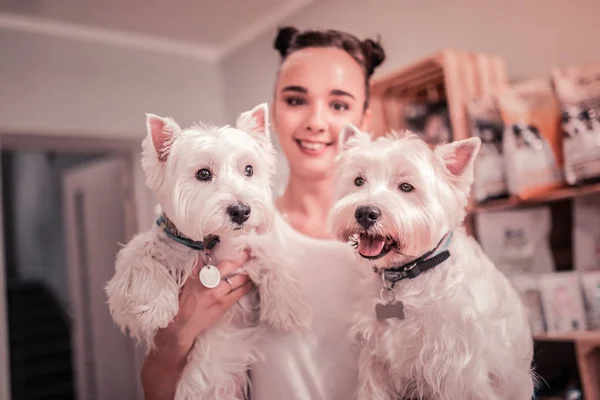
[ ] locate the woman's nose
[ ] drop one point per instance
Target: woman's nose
(316, 120)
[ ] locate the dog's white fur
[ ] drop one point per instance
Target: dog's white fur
(465, 334)
(151, 268)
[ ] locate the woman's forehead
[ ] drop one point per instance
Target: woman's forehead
(322, 70)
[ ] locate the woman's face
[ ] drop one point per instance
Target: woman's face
(318, 91)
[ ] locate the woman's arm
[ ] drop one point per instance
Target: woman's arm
(199, 309)
(163, 366)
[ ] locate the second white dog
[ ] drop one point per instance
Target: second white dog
(213, 185)
(434, 317)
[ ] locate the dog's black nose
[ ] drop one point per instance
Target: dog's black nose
(239, 213)
(366, 216)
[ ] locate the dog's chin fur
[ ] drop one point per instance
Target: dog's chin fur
(465, 334)
(143, 294)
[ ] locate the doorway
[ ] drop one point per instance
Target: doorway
(67, 205)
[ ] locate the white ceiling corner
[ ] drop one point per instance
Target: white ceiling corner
(266, 22)
(110, 23)
(85, 33)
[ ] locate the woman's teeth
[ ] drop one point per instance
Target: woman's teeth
(311, 145)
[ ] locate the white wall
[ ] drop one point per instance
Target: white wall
(532, 36)
(67, 87)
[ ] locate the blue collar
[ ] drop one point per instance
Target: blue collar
(172, 232)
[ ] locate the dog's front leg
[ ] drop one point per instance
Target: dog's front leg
(283, 303)
(374, 381)
(142, 295)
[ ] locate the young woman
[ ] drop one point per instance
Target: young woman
(322, 83)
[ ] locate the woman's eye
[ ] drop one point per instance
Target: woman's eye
(359, 181)
(406, 187)
(339, 106)
(294, 101)
(204, 175)
(249, 170)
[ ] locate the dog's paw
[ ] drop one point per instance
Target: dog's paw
(289, 314)
(283, 304)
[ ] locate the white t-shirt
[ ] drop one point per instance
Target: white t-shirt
(320, 364)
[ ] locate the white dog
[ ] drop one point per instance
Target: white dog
(213, 185)
(434, 318)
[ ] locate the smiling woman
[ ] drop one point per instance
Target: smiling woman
(322, 84)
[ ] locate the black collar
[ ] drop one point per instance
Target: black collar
(426, 262)
(171, 231)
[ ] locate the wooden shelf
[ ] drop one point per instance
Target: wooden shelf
(576, 336)
(555, 195)
(587, 348)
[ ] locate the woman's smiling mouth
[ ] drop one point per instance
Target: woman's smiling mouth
(311, 147)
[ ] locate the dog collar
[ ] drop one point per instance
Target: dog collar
(172, 232)
(426, 262)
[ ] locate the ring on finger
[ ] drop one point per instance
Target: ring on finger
(230, 284)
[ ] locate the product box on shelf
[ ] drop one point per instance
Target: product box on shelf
(562, 301)
(517, 241)
(578, 90)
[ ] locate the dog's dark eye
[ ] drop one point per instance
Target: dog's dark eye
(249, 170)
(204, 175)
(359, 181)
(406, 187)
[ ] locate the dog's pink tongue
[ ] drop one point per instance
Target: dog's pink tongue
(369, 246)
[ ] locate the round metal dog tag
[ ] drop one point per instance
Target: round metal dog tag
(387, 295)
(210, 276)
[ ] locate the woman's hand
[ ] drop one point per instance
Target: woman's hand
(199, 309)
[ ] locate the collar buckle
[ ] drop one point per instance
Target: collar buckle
(412, 271)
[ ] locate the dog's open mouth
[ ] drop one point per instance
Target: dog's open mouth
(373, 247)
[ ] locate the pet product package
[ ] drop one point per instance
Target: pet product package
(518, 241)
(562, 302)
(578, 91)
(490, 173)
(586, 233)
(528, 288)
(590, 284)
(431, 121)
(531, 142)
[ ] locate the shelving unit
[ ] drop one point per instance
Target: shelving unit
(587, 343)
(556, 195)
(587, 353)
(457, 77)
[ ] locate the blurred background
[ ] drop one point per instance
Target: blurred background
(77, 77)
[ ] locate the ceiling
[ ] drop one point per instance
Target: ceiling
(213, 28)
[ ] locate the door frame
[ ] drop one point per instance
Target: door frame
(138, 214)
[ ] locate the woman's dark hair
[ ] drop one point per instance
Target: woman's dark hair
(368, 53)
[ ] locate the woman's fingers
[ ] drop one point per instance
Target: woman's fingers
(227, 301)
(227, 286)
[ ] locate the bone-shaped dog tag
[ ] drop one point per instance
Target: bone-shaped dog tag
(391, 310)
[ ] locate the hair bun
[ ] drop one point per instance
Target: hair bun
(375, 55)
(284, 38)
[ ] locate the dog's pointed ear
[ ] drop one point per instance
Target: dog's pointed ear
(162, 131)
(349, 136)
(255, 122)
(459, 157)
